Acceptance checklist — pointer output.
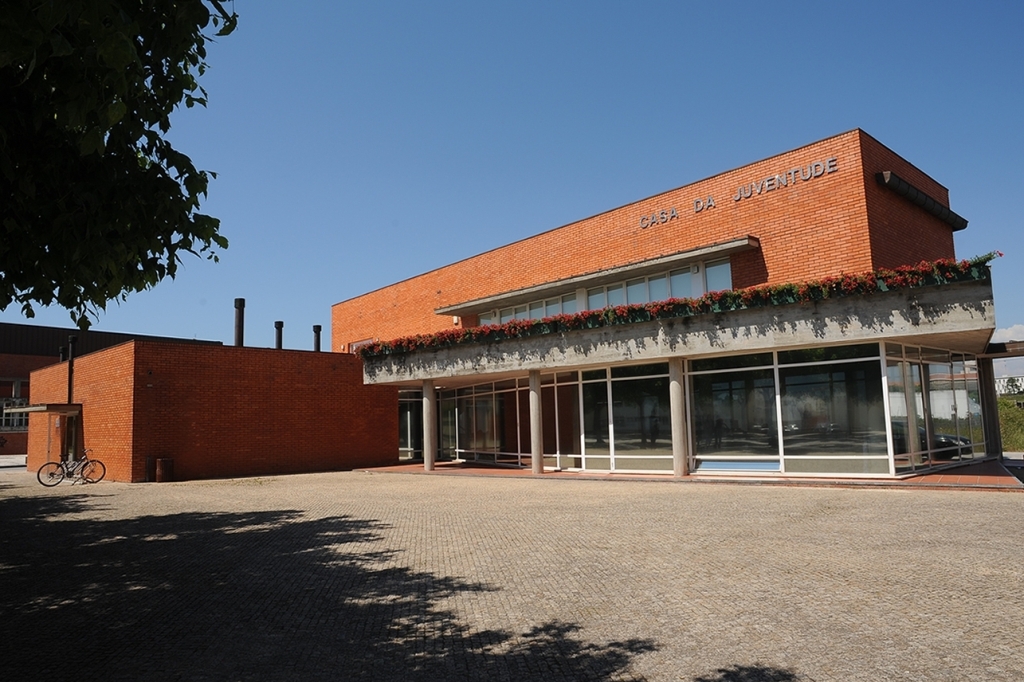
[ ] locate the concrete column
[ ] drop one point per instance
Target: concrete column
(989, 407)
(677, 411)
(429, 425)
(536, 424)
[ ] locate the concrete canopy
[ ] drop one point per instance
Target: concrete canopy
(958, 317)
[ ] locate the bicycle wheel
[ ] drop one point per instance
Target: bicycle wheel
(50, 474)
(93, 471)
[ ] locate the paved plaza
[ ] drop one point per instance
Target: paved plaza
(393, 576)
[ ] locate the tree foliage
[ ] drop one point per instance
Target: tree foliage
(94, 202)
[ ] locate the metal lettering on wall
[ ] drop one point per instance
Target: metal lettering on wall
(770, 183)
(786, 178)
(662, 216)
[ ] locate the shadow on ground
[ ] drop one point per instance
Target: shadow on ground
(750, 673)
(250, 596)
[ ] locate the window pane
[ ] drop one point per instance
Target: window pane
(657, 288)
(977, 435)
(569, 304)
(732, 361)
(521, 312)
(636, 291)
(640, 370)
(681, 283)
(945, 442)
(961, 397)
(734, 415)
(718, 276)
(833, 410)
(616, 295)
(536, 310)
(552, 307)
(507, 314)
(595, 419)
(899, 416)
(596, 299)
(486, 318)
(863, 350)
(642, 425)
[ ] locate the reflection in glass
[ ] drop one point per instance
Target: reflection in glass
(734, 415)
(718, 276)
(833, 410)
(636, 291)
(595, 420)
(680, 283)
(898, 416)
(976, 434)
(658, 288)
(642, 419)
(942, 409)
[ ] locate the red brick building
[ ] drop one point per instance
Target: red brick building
(836, 386)
(811, 212)
(215, 411)
(26, 348)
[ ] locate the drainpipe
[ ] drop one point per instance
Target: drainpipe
(72, 340)
(71, 425)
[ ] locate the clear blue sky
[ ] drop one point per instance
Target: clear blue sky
(357, 144)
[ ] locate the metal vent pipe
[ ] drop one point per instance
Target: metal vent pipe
(316, 337)
(239, 321)
(278, 334)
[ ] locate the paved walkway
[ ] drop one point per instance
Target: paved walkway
(989, 475)
(409, 577)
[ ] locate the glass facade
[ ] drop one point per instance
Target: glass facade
(866, 409)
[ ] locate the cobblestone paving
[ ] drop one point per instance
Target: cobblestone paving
(410, 577)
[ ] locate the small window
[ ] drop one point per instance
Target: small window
(536, 310)
(718, 276)
(569, 304)
(552, 306)
(486, 318)
(680, 283)
(636, 291)
(616, 295)
(596, 299)
(657, 288)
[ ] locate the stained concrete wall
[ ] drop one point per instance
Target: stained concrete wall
(953, 316)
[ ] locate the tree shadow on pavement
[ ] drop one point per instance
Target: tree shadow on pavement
(267, 595)
(750, 673)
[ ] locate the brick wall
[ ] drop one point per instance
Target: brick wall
(221, 411)
(104, 388)
(807, 229)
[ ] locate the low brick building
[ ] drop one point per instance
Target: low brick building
(215, 411)
(25, 348)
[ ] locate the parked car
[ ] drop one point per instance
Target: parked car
(945, 442)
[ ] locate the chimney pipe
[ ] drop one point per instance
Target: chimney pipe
(239, 321)
(62, 353)
(72, 340)
(316, 337)
(278, 334)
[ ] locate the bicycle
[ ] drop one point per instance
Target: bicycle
(82, 470)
